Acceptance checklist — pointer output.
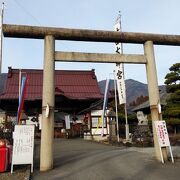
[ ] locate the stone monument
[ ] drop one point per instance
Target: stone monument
(142, 131)
(142, 119)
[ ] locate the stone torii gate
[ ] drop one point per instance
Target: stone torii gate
(50, 34)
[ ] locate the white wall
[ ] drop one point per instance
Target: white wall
(98, 131)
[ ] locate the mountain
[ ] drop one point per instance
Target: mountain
(134, 88)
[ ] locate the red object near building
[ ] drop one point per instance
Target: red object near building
(9, 153)
(3, 159)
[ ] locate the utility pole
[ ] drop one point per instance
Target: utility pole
(1, 35)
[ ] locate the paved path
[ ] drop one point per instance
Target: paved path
(81, 160)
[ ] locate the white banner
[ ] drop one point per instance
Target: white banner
(120, 68)
(104, 105)
(67, 121)
(120, 83)
(118, 47)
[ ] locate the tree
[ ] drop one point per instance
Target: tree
(139, 100)
(172, 81)
(173, 78)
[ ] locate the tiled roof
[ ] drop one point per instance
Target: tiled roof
(71, 84)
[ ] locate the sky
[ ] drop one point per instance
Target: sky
(155, 16)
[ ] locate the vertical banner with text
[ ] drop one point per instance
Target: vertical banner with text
(120, 83)
(120, 67)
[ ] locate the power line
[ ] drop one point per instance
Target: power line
(27, 12)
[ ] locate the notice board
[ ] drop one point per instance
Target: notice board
(162, 133)
(23, 145)
(163, 138)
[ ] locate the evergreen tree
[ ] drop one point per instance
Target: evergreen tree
(172, 109)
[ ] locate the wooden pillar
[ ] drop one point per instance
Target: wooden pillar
(153, 89)
(47, 131)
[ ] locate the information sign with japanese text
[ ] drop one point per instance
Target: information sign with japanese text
(162, 133)
(23, 145)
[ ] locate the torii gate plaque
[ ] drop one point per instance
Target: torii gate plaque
(50, 34)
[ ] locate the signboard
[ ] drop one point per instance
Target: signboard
(23, 145)
(163, 138)
(58, 124)
(162, 133)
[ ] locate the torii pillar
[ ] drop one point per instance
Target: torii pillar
(47, 131)
(154, 98)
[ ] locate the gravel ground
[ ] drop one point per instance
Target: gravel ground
(20, 173)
